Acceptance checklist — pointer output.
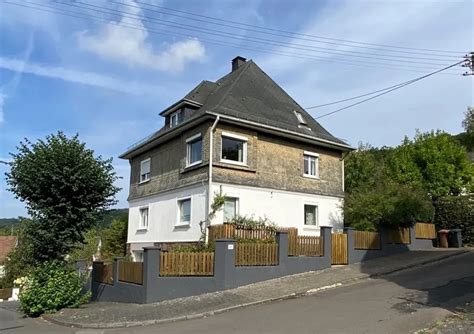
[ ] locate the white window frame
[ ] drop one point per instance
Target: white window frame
(316, 164)
(141, 225)
(299, 117)
(178, 218)
(237, 207)
(138, 256)
(189, 141)
(175, 115)
(244, 148)
(141, 171)
(311, 227)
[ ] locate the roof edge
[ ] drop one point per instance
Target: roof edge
(179, 104)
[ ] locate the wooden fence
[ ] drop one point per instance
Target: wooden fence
(305, 246)
(230, 231)
(104, 273)
(425, 231)
(366, 240)
(256, 254)
(400, 235)
(6, 293)
(131, 272)
(186, 264)
(339, 249)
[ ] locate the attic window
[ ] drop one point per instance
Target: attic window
(300, 118)
(176, 118)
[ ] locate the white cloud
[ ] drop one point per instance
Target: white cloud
(81, 77)
(120, 43)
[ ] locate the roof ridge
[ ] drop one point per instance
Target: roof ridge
(244, 68)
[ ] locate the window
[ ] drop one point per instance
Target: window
(234, 148)
(311, 164)
(194, 150)
(300, 118)
(311, 215)
(230, 208)
(184, 206)
(176, 118)
(143, 224)
(138, 256)
(145, 170)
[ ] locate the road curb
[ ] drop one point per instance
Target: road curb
(336, 285)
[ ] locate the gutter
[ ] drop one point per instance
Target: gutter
(209, 193)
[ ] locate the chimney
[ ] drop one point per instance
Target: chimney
(237, 62)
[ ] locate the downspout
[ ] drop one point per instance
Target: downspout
(209, 192)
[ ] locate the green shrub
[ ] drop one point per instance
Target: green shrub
(456, 212)
(252, 223)
(51, 287)
(201, 247)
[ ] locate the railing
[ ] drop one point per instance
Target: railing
(366, 240)
(131, 272)
(186, 264)
(425, 231)
(104, 273)
(400, 235)
(256, 254)
(305, 246)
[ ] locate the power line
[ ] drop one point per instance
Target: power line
(75, 14)
(296, 33)
(285, 35)
(270, 42)
(391, 90)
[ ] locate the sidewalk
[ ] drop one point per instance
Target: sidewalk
(112, 315)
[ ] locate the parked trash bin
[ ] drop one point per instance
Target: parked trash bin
(455, 238)
(443, 238)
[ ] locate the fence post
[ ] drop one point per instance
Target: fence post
(224, 263)
(151, 269)
(282, 242)
(350, 244)
(326, 237)
(115, 269)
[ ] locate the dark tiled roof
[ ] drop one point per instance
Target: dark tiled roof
(248, 93)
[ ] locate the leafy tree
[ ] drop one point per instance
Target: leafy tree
(360, 168)
(65, 189)
(86, 250)
(456, 212)
(468, 122)
(114, 240)
(387, 203)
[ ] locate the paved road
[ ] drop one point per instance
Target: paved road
(398, 303)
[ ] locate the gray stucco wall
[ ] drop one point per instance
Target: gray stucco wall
(226, 274)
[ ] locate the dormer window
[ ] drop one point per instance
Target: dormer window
(176, 118)
(300, 118)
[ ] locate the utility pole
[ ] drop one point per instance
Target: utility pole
(469, 62)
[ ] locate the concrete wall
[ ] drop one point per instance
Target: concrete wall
(386, 249)
(163, 217)
(283, 207)
(226, 274)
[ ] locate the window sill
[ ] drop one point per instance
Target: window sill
(311, 227)
(183, 224)
(194, 166)
(225, 164)
(233, 162)
(142, 229)
(311, 177)
(145, 181)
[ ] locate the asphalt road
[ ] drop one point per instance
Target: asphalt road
(398, 303)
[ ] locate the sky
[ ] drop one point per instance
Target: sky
(105, 69)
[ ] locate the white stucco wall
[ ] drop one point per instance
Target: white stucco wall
(282, 207)
(163, 217)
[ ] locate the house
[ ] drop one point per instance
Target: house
(242, 136)
(7, 244)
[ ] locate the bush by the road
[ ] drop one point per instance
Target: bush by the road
(456, 212)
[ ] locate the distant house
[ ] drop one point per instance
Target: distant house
(242, 136)
(7, 244)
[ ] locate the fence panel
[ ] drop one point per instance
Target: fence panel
(6, 293)
(186, 264)
(425, 231)
(400, 235)
(131, 272)
(222, 231)
(104, 273)
(305, 246)
(339, 249)
(256, 254)
(366, 240)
